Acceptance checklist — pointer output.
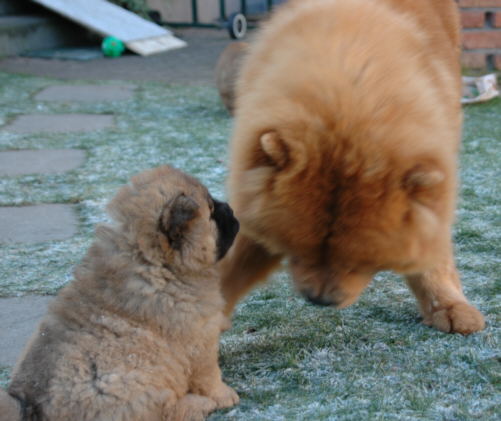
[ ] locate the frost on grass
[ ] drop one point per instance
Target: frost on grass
(287, 359)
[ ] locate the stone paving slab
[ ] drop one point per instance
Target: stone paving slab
(87, 93)
(36, 224)
(59, 123)
(20, 317)
(45, 161)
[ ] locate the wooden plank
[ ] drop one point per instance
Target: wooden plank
(108, 19)
(148, 46)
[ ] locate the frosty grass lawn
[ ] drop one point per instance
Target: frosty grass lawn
(287, 359)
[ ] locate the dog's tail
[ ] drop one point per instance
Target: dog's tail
(10, 408)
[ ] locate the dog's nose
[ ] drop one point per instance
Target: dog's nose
(318, 300)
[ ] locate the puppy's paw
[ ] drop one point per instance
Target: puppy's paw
(191, 408)
(225, 396)
(225, 324)
(458, 318)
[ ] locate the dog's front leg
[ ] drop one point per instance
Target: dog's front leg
(207, 381)
(442, 302)
(246, 264)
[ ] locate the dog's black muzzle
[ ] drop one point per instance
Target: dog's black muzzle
(227, 225)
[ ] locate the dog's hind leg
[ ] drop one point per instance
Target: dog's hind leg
(442, 302)
(190, 408)
(245, 265)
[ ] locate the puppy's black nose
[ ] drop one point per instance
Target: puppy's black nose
(228, 226)
(318, 300)
(226, 218)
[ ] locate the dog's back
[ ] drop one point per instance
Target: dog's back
(362, 69)
(105, 322)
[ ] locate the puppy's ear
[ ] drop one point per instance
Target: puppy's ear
(175, 219)
(275, 148)
(422, 183)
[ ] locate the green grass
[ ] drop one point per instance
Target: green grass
(287, 359)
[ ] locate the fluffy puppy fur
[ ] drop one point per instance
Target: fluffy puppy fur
(344, 153)
(135, 336)
(227, 68)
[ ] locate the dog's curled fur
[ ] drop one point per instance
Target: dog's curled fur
(135, 335)
(344, 153)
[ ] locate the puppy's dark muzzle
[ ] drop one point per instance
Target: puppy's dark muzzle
(228, 227)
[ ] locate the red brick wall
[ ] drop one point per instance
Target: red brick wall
(481, 21)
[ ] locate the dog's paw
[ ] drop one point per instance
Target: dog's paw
(191, 408)
(225, 324)
(458, 318)
(225, 396)
(200, 408)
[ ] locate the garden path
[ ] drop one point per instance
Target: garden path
(44, 222)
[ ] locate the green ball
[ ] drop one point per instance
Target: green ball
(112, 47)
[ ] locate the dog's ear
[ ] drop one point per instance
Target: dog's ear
(275, 148)
(421, 183)
(175, 219)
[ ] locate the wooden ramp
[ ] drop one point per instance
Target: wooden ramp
(107, 19)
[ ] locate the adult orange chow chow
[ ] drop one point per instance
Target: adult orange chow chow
(344, 153)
